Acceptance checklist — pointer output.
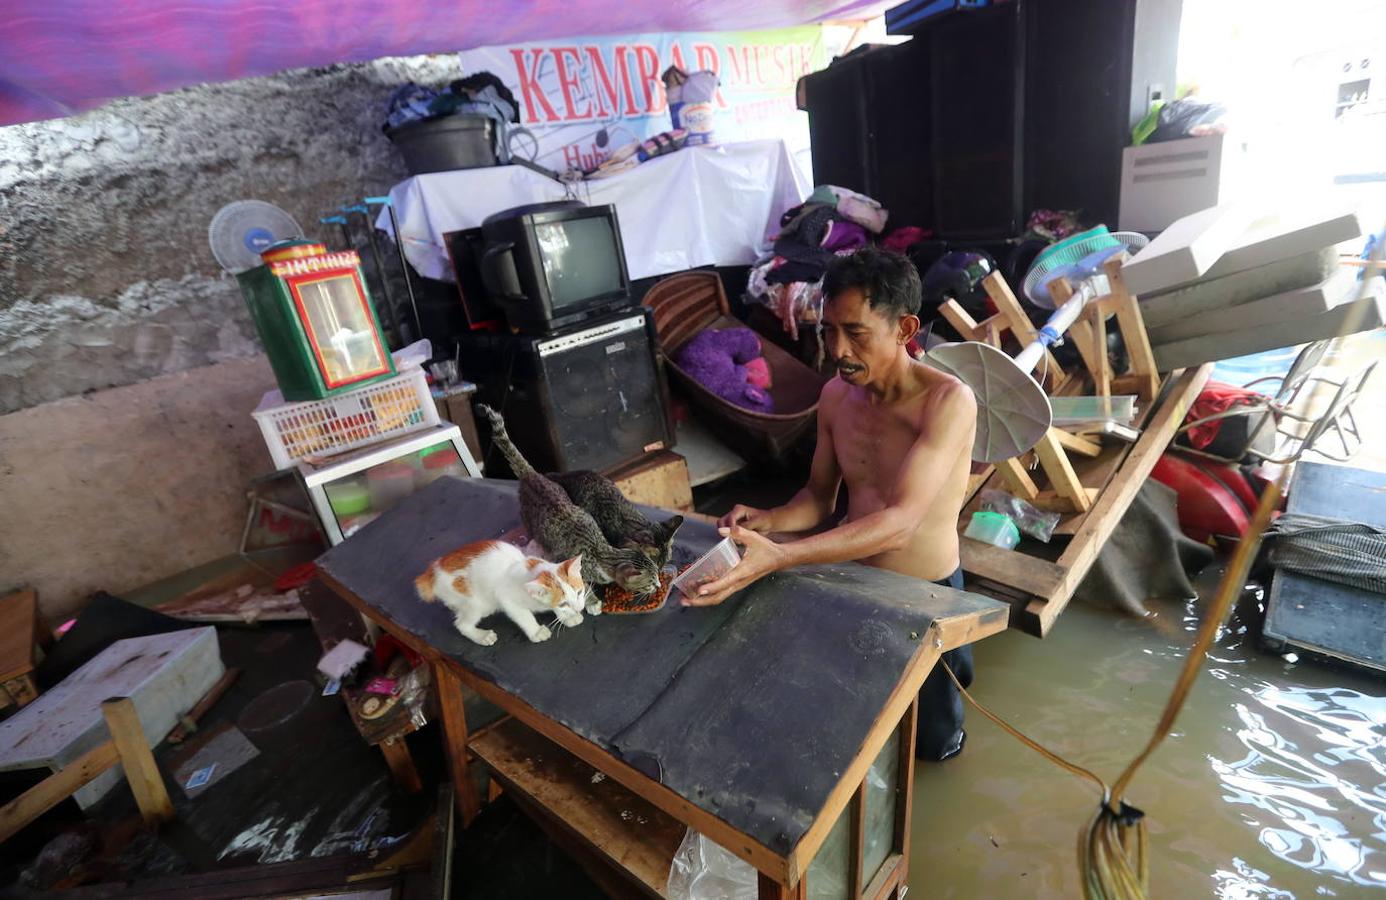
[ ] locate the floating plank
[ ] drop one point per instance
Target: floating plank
(56, 788)
(138, 761)
(164, 675)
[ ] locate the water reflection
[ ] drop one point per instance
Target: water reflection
(1274, 787)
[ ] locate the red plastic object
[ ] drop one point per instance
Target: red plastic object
(1207, 507)
(387, 646)
(296, 577)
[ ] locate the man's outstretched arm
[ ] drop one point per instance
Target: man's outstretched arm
(923, 474)
(815, 501)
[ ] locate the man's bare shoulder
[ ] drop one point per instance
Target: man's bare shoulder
(944, 395)
(834, 390)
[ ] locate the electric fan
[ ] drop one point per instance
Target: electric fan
(241, 231)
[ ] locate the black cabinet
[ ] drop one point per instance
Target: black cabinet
(987, 114)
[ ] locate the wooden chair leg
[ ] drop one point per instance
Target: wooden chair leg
(401, 764)
(135, 756)
(770, 889)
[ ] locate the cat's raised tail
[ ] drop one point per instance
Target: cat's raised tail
(518, 464)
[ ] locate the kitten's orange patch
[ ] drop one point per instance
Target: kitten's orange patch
(462, 557)
(533, 563)
(460, 585)
(424, 585)
(550, 582)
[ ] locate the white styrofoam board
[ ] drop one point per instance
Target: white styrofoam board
(1363, 315)
(164, 675)
(1291, 233)
(1203, 297)
(1186, 249)
(1339, 288)
(1225, 240)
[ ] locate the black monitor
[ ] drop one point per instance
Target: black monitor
(553, 264)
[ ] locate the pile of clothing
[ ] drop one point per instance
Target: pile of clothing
(481, 94)
(832, 221)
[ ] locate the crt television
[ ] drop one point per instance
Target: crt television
(548, 265)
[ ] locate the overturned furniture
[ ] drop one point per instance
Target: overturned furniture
(1090, 482)
(754, 722)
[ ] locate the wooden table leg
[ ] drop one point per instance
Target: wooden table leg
(455, 740)
(401, 764)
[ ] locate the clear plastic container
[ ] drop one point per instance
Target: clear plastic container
(993, 528)
(348, 498)
(710, 566)
(389, 483)
(437, 463)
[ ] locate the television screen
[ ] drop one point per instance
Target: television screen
(580, 260)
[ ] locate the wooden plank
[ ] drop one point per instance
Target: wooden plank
(758, 855)
(455, 738)
(1133, 333)
(622, 828)
(609, 879)
(656, 479)
(858, 840)
(1010, 567)
(1082, 550)
(890, 877)
(1096, 318)
(904, 802)
(1075, 444)
(138, 761)
(1017, 479)
(964, 324)
(401, 763)
(56, 788)
(1024, 330)
(1060, 472)
(188, 721)
(1062, 292)
(1053, 501)
(19, 631)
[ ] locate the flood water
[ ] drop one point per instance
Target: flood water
(1273, 784)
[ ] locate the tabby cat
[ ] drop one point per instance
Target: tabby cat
(565, 529)
(621, 523)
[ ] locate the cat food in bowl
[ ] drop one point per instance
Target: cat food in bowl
(711, 566)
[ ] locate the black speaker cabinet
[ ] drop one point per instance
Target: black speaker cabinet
(590, 397)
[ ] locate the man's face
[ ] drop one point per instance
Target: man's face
(861, 341)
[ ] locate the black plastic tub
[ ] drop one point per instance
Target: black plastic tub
(440, 145)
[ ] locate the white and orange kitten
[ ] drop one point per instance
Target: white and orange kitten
(492, 576)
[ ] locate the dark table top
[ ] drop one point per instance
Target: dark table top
(750, 710)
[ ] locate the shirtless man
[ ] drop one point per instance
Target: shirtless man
(900, 434)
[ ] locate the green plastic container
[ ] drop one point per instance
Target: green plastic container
(993, 528)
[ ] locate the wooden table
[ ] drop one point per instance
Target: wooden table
(754, 722)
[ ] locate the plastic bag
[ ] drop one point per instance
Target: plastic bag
(702, 870)
(1034, 522)
(1189, 117)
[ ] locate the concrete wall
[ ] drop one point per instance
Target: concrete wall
(105, 273)
(106, 280)
(119, 488)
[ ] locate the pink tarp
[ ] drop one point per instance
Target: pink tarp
(58, 57)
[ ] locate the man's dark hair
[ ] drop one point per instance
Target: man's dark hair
(888, 280)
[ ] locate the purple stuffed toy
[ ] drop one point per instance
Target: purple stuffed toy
(717, 360)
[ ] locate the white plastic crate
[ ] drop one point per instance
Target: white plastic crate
(386, 409)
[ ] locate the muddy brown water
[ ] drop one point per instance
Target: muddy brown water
(1273, 784)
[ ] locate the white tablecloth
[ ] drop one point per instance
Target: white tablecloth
(696, 207)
